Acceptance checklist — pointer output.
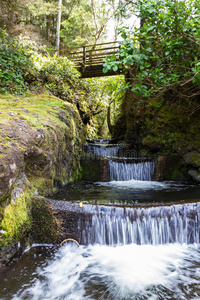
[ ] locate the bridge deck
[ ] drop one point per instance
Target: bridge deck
(89, 59)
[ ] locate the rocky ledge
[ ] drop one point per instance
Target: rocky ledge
(41, 140)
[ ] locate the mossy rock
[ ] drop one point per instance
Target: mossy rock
(171, 167)
(195, 175)
(153, 143)
(45, 226)
(95, 169)
(192, 159)
(40, 136)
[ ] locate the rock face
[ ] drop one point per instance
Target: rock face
(95, 168)
(41, 141)
(170, 167)
(162, 127)
(42, 153)
(192, 159)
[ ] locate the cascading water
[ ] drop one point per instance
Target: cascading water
(102, 149)
(124, 171)
(126, 253)
(142, 226)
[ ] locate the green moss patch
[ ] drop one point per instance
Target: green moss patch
(36, 110)
(46, 227)
(16, 221)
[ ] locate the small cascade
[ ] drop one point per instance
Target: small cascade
(100, 141)
(122, 168)
(102, 149)
(123, 171)
(142, 226)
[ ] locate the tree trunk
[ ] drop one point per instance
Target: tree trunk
(48, 28)
(58, 26)
(110, 126)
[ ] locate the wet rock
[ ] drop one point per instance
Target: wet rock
(11, 253)
(95, 168)
(159, 128)
(171, 168)
(195, 175)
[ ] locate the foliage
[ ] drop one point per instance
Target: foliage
(59, 76)
(16, 14)
(15, 64)
(83, 21)
(23, 68)
(87, 22)
(163, 54)
(75, 30)
(56, 75)
(96, 96)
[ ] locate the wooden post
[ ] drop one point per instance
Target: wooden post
(84, 58)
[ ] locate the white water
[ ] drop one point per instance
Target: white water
(142, 185)
(157, 254)
(102, 149)
(154, 225)
(127, 272)
(123, 171)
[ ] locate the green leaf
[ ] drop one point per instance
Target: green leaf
(115, 68)
(105, 70)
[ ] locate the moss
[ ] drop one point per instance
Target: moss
(153, 142)
(44, 186)
(42, 136)
(94, 168)
(16, 220)
(171, 168)
(46, 228)
(77, 174)
(193, 159)
(29, 215)
(5, 197)
(36, 110)
(162, 127)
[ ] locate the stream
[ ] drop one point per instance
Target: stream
(142, 242)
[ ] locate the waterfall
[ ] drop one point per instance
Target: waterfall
(102, 149)
(142, 226)
(123, 171)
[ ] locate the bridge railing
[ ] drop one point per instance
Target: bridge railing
(91, 55)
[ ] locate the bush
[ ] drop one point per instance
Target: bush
(24, 65)
(58, 74)
(162, 55)
(15, 64)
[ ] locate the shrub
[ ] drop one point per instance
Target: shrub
(15, 64)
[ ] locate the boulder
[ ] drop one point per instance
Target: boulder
(192, 159)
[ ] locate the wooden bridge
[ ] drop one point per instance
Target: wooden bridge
(89, 59)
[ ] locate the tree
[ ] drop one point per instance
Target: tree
(35, 15)
(58, 25)
(169, 60)
(87, 22)
(98, 97)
